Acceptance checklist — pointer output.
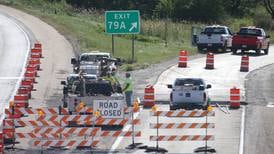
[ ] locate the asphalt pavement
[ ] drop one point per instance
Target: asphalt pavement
(14, 48)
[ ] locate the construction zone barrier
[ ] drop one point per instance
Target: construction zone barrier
(244, 63)
(235, 98)
(182, 58)
(28, 84)
(181, 125)
(182, 113)
(149, 98)
(51, 111)
(65, 143)
(8, 132)
(182, 138)
(209, 61)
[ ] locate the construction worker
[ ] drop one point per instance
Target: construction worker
(128, 89)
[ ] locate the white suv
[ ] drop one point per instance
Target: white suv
(189, 93)
(215, 38)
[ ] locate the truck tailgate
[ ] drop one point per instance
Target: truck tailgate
(244, 40)
(207, 39)
(188, 96)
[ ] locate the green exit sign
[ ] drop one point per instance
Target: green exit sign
(122, 22)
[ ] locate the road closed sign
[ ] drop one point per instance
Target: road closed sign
(109, 109)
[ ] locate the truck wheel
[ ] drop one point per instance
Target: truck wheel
(225, 47)
(234, 51)
(200, 49)
(258, 52)
(172, 107)
(266, 50)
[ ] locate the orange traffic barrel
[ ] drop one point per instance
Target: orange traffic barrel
(182, 59)
(35, 62)
(30, 76)
(1, 142)
(24, 91)
(37, 49)
(234, 97)
(244, 63)
(149, 98)
(28, 84)
(209, 61)
(21, 101)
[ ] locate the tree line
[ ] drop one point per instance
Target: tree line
(194, 10)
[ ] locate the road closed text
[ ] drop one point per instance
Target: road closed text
(109, 108)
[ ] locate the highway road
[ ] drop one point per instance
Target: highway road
(14, 48)
(17, 34)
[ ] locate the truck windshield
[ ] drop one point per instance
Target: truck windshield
(92, 57)
(214, 30)
(184, 82)
(253, 32)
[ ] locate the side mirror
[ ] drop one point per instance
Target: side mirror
(201, 87)
(208, 86)
(73, 61)
(267, 36)
(63, 83)
(169, 86)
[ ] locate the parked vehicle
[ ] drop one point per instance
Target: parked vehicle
(89, 62)
(251, 38)
(217, 38)
(189, 93)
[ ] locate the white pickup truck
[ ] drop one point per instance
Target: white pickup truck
(217, 38)
(189, 93)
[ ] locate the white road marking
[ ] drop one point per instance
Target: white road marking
(23, 68)
(241, 149)
(119, 139)
(10, 78)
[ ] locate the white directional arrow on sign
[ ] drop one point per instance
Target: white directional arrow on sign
(133, 25)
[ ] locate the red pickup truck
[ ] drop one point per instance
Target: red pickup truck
(250, 38)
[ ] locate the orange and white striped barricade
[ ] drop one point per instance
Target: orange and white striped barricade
(8, 131)
(182, 138)
(21, 101)
(235, 98)
(72, 144)
(88, 120)
(244, 63)
(24, 91)
(181, 125)
(28, 84)
(209, 61)
(35, 62)
(149, 98)
(78, 131)
(45, 111)
(37, 135)
(1, 142)
(120, 133)
(184, 113)
(34, 123)
(182, 58)
(30, 76)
